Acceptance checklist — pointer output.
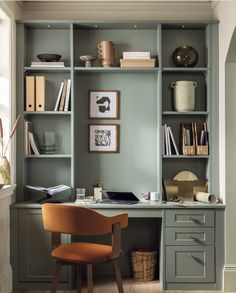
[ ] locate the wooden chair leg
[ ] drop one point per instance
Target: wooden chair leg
(90, 278)
(56, 277)
(79, 279)
(116, 266)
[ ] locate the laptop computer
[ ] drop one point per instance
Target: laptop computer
(117, 197)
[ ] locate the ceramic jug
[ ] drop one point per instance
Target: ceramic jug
(106, 53)
(184, 95)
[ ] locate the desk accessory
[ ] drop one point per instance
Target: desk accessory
(106, 53)
(185, 181)
(88, 59)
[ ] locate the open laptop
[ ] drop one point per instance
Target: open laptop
(117, 197)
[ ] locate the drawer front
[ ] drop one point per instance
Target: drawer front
(190, 218)
(189, 236)
(190, 264)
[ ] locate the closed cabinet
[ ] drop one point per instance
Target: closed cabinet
(190, 246)
(35, 263)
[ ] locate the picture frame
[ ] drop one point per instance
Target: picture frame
(103, 138)
(104, 104)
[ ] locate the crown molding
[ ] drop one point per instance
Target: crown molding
(123, 9)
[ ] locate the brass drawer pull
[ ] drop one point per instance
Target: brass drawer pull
(190, 237)
(189, 254)
(190, 218)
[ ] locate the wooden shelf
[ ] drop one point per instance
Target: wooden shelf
(186, 69)
(185, 157)
(117, 69)
(48, 69)
(55, 156)
(47, 113)
(194, 113)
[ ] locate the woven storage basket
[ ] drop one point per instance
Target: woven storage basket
(143, 264)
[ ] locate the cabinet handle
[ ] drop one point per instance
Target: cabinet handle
(189, 254)
(190, 236)
(190, 218)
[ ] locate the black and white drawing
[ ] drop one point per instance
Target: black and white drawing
(104, 104)
(103, 138)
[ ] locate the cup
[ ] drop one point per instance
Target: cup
(154, 195)
(80, 193)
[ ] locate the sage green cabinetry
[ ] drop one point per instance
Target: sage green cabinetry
(191, 242)
(146, 103)
(31, 251)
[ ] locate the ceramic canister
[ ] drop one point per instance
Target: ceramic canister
(184, 95)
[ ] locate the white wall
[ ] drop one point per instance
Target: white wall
(12, 12)
(225, 12)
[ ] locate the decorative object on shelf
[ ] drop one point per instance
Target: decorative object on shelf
(88, 59)
(185, 181)
(184, 95)
(185, 56)
(49, 57)
(103, 138)
(106, 53)
(97, 190)
(5, 172)
(104, 104)
(49, 146)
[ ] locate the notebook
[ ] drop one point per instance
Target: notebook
(117, 197)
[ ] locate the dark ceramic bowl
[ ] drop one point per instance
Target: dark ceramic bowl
(49, 57)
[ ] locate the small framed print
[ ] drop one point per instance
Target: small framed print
(104, 138)
(104, 104)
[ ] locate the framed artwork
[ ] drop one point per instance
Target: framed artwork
(104, 104)
(104, 138)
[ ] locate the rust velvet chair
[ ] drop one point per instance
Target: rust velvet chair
(74, 220)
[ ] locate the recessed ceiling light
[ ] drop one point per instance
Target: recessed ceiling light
(183, 26)
(48, 25)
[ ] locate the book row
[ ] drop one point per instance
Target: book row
(35, 94)
(194, 139)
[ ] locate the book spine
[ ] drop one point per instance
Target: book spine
(63, 96)
(173, 141)
(67, 99)
(40, 93)
(33, 144)
(56, 108)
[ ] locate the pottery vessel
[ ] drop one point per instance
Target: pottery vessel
(184, 95)
(106, 53)
(5, 174)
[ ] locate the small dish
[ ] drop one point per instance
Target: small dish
(49, 57)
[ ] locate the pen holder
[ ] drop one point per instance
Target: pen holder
(97, 192)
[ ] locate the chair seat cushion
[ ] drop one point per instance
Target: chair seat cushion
(83, 252)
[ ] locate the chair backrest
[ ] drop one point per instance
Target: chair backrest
(77, 220)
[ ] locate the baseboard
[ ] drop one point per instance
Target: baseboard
(229, 278)
(6, 281)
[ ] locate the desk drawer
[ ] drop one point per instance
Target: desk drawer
(190, 264)
(190, 218)
(189, 236)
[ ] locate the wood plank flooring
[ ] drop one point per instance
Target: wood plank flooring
(130, 286)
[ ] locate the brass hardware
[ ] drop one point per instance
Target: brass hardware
(189, 218)
(190, 236)
(189, 254)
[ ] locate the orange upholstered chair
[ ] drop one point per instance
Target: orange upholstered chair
(74, 220)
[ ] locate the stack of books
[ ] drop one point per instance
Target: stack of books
(63, 98)
(137, 59)
(47, 64)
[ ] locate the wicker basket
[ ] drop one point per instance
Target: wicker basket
(143, 264)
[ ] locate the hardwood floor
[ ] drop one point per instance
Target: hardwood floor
(130, 286)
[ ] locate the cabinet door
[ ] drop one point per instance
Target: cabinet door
(190, 264)
(34, 249)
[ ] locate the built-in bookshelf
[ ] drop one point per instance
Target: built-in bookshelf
(146, 103)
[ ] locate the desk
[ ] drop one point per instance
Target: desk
(191, 244)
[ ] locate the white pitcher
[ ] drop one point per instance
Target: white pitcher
(184, 95)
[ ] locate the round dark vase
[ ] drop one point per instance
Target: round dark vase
(185, 56)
